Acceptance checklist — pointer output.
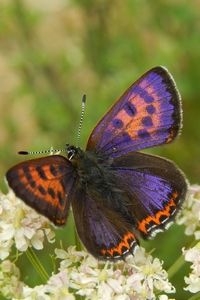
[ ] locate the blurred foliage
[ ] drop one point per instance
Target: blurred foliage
(54, 51)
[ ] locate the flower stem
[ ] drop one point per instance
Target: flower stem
(77, 240)
(37, 264)
(176, 266)
(178, 263)
(195, 297)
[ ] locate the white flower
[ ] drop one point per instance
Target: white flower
(190, 214)
(56, 288)
(37, 292)
(69, 257)
(193, 281)
(21, 225)
(165, 297)
(151, 275)
(10, 286)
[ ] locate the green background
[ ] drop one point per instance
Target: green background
(52, 52)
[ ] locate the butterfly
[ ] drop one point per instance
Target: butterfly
(117, 194)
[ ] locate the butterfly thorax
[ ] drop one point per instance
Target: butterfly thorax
(95, 178)
(90, 167)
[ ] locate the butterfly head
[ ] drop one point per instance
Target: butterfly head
(73, 153)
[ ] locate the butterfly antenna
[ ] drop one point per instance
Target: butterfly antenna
(51, 150)
(48, 151)
(81, 118)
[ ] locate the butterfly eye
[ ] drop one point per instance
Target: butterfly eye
(71, 152)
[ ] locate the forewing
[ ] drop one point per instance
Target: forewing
(156, 188)
(104, 233)
(147, 114)
(44, 184)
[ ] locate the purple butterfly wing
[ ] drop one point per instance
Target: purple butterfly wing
(103, 231)
(147, 114)
(155, 185)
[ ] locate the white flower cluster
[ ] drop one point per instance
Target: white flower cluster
(190, 218)
(21, 226)
(190, 214)
(193, 281)
(139, 277)
(80, 274)
(10, 285)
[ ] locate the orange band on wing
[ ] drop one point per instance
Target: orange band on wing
(123, 247)
(144, 225)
